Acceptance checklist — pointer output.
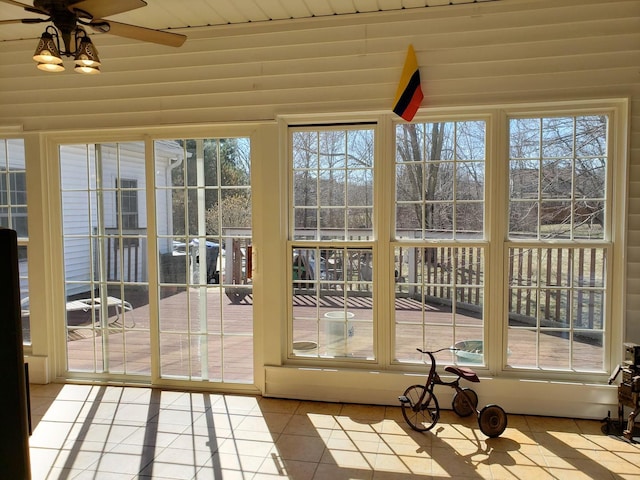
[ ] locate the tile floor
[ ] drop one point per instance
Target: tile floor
(126, 433)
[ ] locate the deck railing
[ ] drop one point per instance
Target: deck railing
(125, 254)
(538, 288)
(555, 286)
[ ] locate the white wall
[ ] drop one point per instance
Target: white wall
(479, 54)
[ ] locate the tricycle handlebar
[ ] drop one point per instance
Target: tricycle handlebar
(436, 351)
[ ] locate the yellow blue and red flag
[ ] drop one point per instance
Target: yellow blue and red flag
(409, 94)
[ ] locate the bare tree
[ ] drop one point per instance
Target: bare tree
(332, 178)
(557, 175)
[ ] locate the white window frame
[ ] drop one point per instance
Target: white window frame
(497, 242)
(23, 241)
(614, 231)
(495, 239)
(454, 241)
(295, 244)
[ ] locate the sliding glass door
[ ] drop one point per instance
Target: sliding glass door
(105, 249)
(204, 315)
(203, 210)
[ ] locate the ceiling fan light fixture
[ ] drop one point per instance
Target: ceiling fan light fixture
(68, 20)
(86, 53)
(50, 67)
(47, 50)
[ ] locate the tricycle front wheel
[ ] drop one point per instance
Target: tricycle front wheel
(420, 416)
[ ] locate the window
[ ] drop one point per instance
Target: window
(440, 180)
(332, 242)
(332, 184)
(127, 203)
(556, 250)
(438, 253)
(13, 187)
(13, 214)
(557, 192)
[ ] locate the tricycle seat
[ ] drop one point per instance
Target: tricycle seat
(462, 372)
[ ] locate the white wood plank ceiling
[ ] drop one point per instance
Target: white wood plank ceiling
(180, 16)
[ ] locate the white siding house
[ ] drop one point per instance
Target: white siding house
(82, 198)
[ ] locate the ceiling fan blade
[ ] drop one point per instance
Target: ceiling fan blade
(105, 8)
(138, 33)
(17, 4)
(28, 8)
(24, 20)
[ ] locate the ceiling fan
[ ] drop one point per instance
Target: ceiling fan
(71, 16)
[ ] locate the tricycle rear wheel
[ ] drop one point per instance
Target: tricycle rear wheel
(465, 402)
(492, 420)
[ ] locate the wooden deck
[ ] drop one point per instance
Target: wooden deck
(229, 337)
